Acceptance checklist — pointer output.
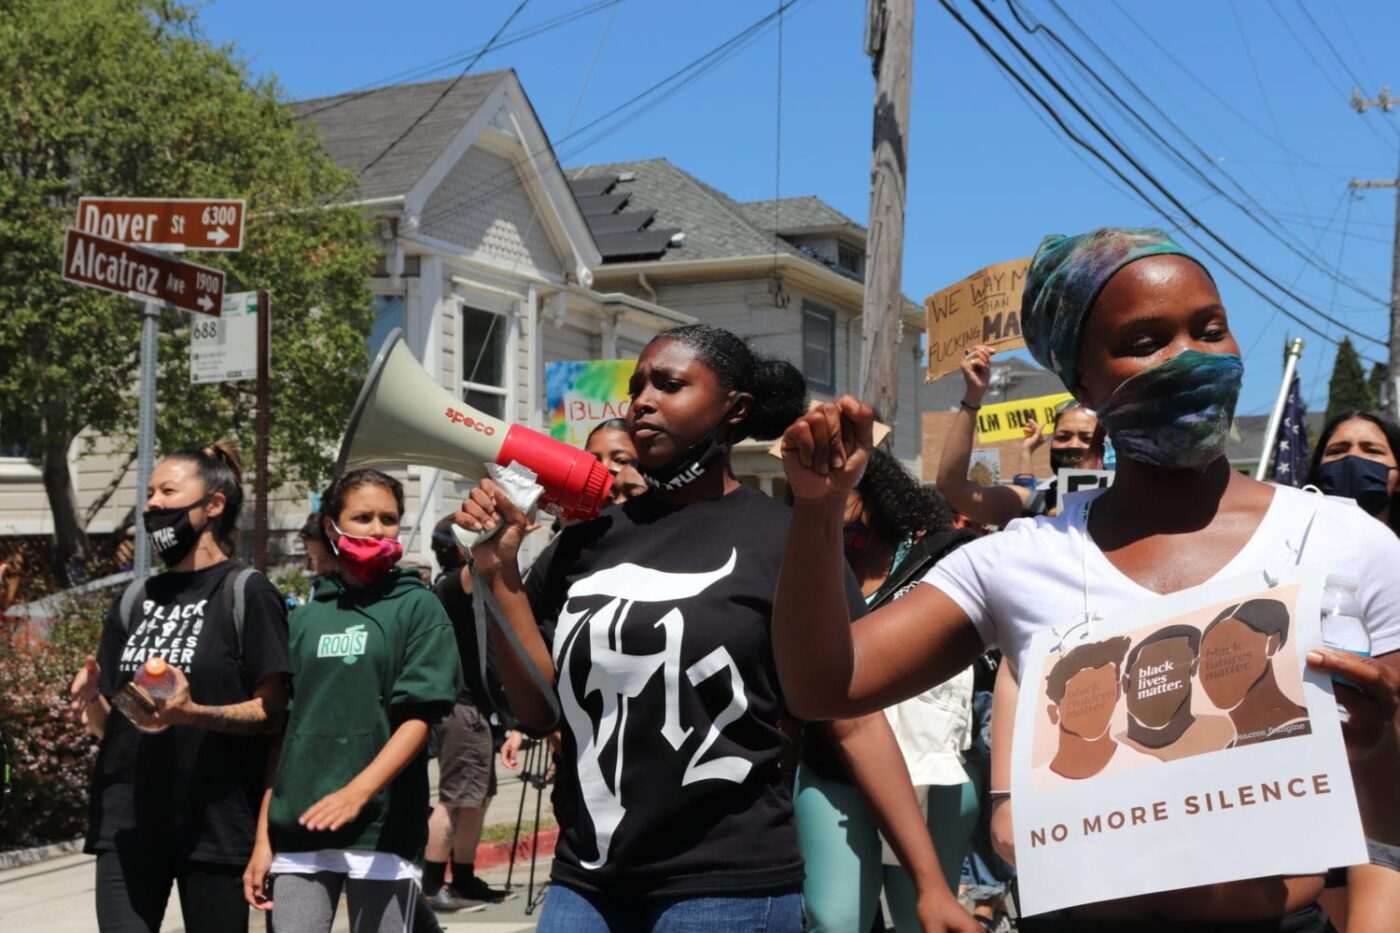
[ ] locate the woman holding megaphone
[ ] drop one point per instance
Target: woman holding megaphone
(645, 637)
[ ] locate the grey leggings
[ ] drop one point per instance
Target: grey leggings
(307, 903)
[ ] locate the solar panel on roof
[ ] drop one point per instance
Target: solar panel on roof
(592, 186)
(602, 204)
(621, 222)
(644, 244)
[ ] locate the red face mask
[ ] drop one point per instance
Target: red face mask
(366, 559)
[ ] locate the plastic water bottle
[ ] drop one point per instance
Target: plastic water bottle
(1342, 626)
(138, 699)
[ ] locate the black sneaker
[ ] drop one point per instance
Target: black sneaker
(446, 900)
(474, 889)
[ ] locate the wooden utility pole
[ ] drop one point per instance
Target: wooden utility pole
(1387, 103)
(889, 41)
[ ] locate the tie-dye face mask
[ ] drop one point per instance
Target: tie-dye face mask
(1178, 414)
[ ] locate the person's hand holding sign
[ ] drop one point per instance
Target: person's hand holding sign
(1372, 733)
(826, 450)
(977, 373)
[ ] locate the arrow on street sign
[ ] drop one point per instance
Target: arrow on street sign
(95, 262)
(165, 223)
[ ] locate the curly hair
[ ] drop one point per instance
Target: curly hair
(898, 505)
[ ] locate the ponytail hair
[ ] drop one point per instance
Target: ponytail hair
(220, 471)
(778, 389)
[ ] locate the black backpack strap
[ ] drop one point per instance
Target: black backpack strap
(132, 597)
(236, 597)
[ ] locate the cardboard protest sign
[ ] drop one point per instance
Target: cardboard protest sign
(1006, 421)
(985, 308)
(1076, 480)
(984, 466)
(581, 394)
(1182, 743)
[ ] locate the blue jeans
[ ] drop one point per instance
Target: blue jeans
(569, 911)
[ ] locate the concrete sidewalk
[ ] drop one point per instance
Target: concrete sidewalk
(56, 896)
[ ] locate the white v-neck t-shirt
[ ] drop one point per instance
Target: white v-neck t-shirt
(1039, 572)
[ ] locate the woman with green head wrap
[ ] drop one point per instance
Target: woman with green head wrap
(1137, 331)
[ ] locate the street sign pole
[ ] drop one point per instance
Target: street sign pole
(260, 487)
(146, 428)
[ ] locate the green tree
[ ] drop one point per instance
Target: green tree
(1375, 383)
(1347, 389)
(126, 97)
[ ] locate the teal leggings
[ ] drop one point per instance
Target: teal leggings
(841, 846)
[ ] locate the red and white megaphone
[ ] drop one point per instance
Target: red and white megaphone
(403, 416)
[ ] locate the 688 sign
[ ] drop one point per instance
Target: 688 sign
(225, 348)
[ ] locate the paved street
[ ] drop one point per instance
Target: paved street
(56, 896)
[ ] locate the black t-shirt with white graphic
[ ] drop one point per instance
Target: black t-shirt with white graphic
(658, 618)
(194, 792)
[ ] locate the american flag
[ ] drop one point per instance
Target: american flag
(1291, 445)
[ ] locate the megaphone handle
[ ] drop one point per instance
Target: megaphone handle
(470, 539)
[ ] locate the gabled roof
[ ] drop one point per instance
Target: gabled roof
(356, 128)
(714, 224)
(795, 215)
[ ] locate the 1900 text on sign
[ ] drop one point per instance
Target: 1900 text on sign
(94, 262)
(165, 223)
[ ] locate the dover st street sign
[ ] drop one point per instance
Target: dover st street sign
(104, 264)
(204, 224)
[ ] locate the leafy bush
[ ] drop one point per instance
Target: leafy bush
(51, 756)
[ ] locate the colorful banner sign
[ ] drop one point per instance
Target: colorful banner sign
(580, 394)
(1006, 421)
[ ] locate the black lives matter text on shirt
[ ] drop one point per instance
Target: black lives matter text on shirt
(659, 622)
(190, 790)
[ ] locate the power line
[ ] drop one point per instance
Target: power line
(1190, 73)
(1152, 179)
(1327, 41)
(1092, 150)
(456, 58)
(1309, 258)
(449, 89)
(648, 98)
(1264, 95)
(1341, 91)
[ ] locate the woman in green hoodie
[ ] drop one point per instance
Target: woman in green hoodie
(374, 661)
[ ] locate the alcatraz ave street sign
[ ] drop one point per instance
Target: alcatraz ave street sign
(95, 262)
(165, 223)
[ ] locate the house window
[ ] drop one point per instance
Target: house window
(484, 360)
(819, 347)
(850, 259)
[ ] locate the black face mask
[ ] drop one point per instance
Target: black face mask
(693, 462)
(172, 533)
(1357, 478)
(1067, 458)
(689, 466)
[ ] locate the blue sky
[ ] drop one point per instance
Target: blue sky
(1255, 85)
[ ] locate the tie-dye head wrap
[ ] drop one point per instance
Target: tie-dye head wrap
(1065, 278)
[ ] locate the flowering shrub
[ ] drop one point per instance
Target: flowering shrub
(50, 755)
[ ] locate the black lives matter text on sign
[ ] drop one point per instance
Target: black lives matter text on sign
(95, 262)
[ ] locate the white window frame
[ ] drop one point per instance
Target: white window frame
(829, 316)
(510, 364)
